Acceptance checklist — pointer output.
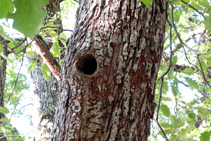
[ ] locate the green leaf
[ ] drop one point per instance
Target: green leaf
(4, 119)
(147, 2)
(165, 109)
(174, 59)
(165, 125)
(205, 136)
(166, 99)
(168, 130)
(55, 49)
(175, 1)
(46, 68)
(173, 120)
(207, 23)
(1, 48)
(60, 62)
(29, 16)
(193, 102)
(191, 115)
(188, 71)
(165, 87)
(203, 112)
(188, 119)
(32, 66)
(6, 6)
(183, 132)
(2, 33)
(177, 15)
(29, 52)
(4, 110)
(173, 138)
(180, 123)
(192, 83)
(46, 72)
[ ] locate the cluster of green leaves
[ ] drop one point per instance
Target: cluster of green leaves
(182, 116)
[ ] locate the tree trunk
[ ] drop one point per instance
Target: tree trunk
(109, 72)
(44, 103)
(3, 67)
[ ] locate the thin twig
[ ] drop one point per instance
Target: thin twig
(205, 80)
(17, 77)
(174, 26)
(19, 44)
(56, 28)
(172, 18)
(203, 53)
(193, 8)
(162, 77)
(19, 109)
(24, 49)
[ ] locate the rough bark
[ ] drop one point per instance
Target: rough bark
(3, 67)
(122, 40)
(44, 103)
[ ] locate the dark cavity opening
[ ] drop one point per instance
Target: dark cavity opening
(87, 65)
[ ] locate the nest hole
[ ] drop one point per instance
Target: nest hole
(87, 65)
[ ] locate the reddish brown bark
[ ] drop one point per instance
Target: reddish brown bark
(47, 56)
(115, 101)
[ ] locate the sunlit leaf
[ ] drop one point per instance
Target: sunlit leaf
(32, 66)
(205, 136)
(29, 16)
(175, 1)
(180, 124)
(183, 132)
(46, 72)
(174, 59)
(6, 6)
(173, 120)
(165, 109)
(166, 99)
(192, 83)
(3, 34)
(4, 110)
(191, 115)
(55, 49)
(165, 125)
(165, 87)
(4, 119)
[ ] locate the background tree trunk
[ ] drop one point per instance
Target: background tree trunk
(44, 103)
(109, 72)
(3, 67)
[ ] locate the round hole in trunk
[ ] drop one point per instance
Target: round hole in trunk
(87, 65)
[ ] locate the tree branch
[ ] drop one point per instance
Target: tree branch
(16, 80)
(162, 77)
(194, 9)
(47, 56)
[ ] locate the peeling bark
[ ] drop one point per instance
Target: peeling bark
(115, 101)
